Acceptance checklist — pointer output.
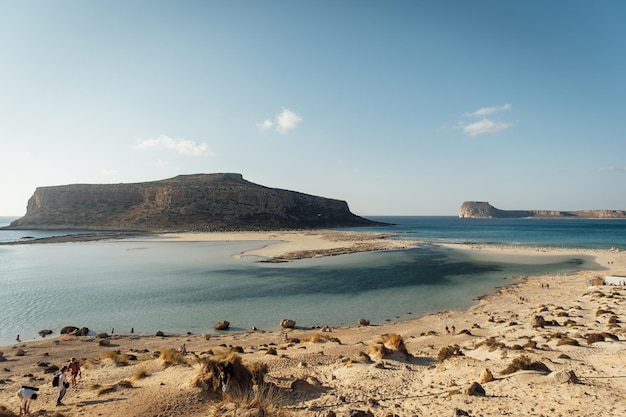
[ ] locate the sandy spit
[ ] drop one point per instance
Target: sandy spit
(582, 377)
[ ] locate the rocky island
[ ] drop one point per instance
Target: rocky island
(484, 210)
(200, 202)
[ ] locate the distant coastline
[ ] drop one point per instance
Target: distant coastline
(484, 210)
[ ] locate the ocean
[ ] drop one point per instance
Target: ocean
(180, 287)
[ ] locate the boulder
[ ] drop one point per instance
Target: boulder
(564, 377)
(45, 332)
(160, 334)
(68, 329)
(364, 322)
(222, 325)
(287, 323)
(475, 389)
(537, 321)
(486, 376)
(83, 331)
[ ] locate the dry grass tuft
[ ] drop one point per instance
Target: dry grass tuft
(321, 337)
(267, 399)
(387, 345)
(448, 352)
(245, 377)
(112, 388)
(524, 363)
(141, 373)
(593, 338)
(491, 343)
(171, 357)
(120, 359)
(567, 341)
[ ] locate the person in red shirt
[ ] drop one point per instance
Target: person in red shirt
(74, 368)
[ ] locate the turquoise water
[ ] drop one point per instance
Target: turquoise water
(178, 287)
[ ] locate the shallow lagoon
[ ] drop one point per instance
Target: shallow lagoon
(178, 287)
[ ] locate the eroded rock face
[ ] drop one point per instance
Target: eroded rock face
(201, 202)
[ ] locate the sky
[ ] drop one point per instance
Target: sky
(396, 107)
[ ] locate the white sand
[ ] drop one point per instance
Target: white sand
(499, 331)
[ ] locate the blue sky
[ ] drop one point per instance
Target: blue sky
(397, 107)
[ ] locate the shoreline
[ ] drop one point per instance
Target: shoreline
(384, 385)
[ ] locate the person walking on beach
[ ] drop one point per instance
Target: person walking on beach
(75, 371)
(26, 395)
(62, 385)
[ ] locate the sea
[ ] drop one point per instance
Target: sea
(147, 285)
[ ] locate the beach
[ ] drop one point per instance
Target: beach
(570, 332)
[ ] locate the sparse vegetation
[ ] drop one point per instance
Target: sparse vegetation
(593, 338)
(567, 341)
(386, 345)
(120, 359)
(112, 388)
(268, 399)
(244, 376)
(491, 343)
(524, 363)
(171, 357)
(141, 373)
(448, 352)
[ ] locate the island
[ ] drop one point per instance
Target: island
(484, 210)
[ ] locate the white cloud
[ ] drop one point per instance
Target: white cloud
(287, 120)
(182, 146)
(284, 122)
(488, 110)
(265, 124)
(485, 126)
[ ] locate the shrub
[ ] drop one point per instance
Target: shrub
(448, 352)
(243, 377)
(609, 336)
(593, 338)
(531, 344)
(112, 388)
(491, 343)
(268, 399)
(140, 374)
(524, 363)
(117, 357)
(386, 345)
(172, 357)
(567, 341)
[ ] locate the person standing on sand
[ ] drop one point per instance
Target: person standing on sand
(26, 395)
(63, 384)
(75, 371)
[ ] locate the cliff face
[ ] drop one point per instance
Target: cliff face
(202, 202)
(484, 210)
